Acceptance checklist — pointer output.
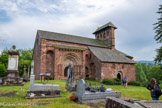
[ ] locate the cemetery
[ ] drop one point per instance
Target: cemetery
(72, 92)
(58, 93)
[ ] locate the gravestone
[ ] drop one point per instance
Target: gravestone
(41, 90)
(71, 81)
(92, 95)
(12, 77)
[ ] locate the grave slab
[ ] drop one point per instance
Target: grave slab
(85, 96)
(41, 90)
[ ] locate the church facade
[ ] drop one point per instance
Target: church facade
(90, 58)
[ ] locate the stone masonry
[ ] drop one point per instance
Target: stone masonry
(90, 58)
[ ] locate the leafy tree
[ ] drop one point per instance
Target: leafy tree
(145, 68)
(158, 36)
(25, 59)
(140, 75)
(2, 69)
(155, 72)
(4, 57)
(158, 58)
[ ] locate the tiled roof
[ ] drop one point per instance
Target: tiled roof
(104, 26)
(70, 38)
(109, 55)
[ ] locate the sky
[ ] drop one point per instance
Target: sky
(20, 20)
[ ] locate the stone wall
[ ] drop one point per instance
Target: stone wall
(61, 59)
(110, 70)
(36, 57)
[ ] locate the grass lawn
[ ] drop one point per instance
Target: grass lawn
(19, 101)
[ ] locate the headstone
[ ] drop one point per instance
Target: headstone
(89, 96)
(71, 81)
(41, 90)
(12, 75)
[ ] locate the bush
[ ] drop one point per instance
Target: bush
(134, 83)
(108, 82)
(115, 81)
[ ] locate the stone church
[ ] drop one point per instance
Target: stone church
(90, 58)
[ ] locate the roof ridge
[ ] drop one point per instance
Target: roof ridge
(70, 38)
(65, 34)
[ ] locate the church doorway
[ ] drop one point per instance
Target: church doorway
(65, 71)
(119, 76)
(50, 63)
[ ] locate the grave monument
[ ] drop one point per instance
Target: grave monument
(90, 95)
(71, 81)
(41, 90)
(12, 77)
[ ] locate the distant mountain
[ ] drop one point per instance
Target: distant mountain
(147, 62)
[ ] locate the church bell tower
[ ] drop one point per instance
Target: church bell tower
(106, 34)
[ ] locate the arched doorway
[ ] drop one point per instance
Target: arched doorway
(65, 71)
(119, 76)
(74, 60)
(50, 63)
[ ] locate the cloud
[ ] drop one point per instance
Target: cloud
(134, 19)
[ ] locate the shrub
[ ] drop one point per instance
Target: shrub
(134, 83)
(108, 82)
(117, 79)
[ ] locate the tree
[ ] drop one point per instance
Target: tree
(2, 69)
(140, 75)
(158, 36)
(155, 72)
(25, 59)
(145, 68)
(158, 58)
(4, 57)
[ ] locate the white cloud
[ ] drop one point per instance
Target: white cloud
(78, 17)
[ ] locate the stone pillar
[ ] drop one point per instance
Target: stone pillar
(32, 76)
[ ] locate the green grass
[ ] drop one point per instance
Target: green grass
(63, 101)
